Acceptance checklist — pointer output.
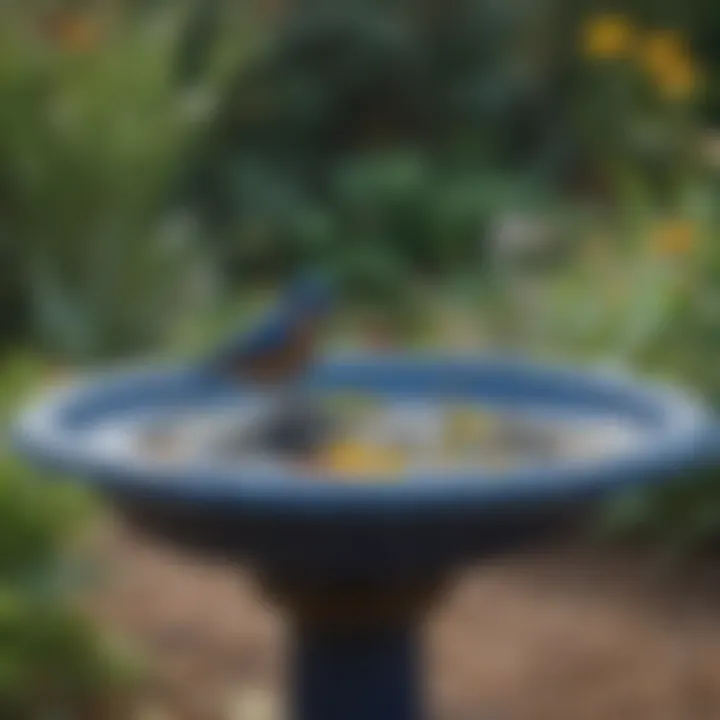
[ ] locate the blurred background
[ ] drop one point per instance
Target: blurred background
(539, 176)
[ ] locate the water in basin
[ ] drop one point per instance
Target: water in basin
(369, 436)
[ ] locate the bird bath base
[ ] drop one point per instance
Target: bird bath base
(357, 655)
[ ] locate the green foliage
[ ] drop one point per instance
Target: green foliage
(36, 518)
(90, 147)
(364, 135)
(658, 314)
(50, 661)
(19, 374)
(681, 518)
(53, 663)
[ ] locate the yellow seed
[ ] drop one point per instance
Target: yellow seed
(353, 458)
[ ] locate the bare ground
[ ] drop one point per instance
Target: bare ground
(568, 634)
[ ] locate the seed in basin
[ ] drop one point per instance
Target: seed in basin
(353, 458)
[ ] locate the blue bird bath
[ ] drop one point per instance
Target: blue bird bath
(357, 564)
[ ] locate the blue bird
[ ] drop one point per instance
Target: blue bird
(273, 355)
(282, 344)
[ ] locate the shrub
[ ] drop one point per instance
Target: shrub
(53, 662)
(93, 131)
(364, 137)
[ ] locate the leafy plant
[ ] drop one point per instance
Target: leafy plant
(364, 136)
(93, 132)
(52, 660)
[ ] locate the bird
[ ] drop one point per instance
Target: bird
(273, 356)
(280, 346)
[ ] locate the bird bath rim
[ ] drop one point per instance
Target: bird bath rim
(682, 436)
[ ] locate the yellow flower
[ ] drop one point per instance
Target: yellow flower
(607, 36)
(661, 48)
(680, 82)
(667, 59)
(674, 238)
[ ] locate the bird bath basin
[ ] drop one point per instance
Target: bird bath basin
(356, 558)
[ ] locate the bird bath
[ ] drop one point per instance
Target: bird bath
(357, 560)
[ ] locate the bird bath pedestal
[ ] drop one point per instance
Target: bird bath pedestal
(356, 565)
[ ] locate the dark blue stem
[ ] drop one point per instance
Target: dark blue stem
(357, 675)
